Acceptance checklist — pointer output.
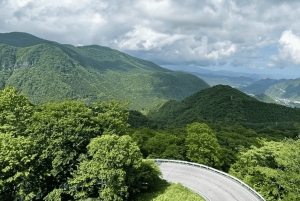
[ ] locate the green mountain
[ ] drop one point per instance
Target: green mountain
(20, 39)
(289, 89)
(221, 103)
(283, 91)
(47, 71)
(261, 86)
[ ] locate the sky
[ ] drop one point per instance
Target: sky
(254, 36)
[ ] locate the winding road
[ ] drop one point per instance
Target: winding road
(211, 184)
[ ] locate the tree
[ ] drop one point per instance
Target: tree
(202, 145)
(15, 110)
(41, 145)
(272, 169)
(17, 152)
(111, 170)
(18, 167)
(161, 144)
(62, 131)
(113, 116)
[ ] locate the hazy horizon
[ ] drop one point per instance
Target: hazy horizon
(260, 37)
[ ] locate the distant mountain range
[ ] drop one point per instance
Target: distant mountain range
(261, 86)
(221, 103)
(46, 71)
(265, 88)
(234, 79)
(283, 91)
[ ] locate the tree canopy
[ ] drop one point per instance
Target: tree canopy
(203, 145)
(46, 149)
(272, 169)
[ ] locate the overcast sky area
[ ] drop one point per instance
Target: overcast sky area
(257, 36)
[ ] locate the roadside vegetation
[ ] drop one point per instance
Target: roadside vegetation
(70, 151)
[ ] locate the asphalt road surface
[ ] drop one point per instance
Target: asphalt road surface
(213, 186)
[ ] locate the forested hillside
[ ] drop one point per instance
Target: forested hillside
(46, 71)
(229, 130)
(288, 90)
(221, 103)
(63, 142)
(60, 151)
(57, 149)
(261, 86)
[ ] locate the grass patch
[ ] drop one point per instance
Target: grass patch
(169, 191)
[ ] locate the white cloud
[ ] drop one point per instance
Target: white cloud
(204, 32)
(143, 38)
(289, 50)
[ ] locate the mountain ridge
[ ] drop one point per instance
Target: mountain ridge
(221, 103)
(47, 71)
(283, 91)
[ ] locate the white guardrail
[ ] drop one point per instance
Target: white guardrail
(256, 194)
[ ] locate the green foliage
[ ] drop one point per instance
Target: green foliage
(137, 120)
(15, 110)
(113, 168)
(177, 192)
(203, 145)
(55, 195)
(23, 39)
(62, 131)
(113, 116)
(221, 103)
(46, 72)
(166, 191)
(110, 170)
(167, 144)
(18, 156)
(43, 147)
(233, 139)
(273, 169)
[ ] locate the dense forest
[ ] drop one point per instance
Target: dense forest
(47, 71)
(60, 142)
(69, 150)
(226, 129)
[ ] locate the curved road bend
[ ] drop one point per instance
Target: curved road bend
(213, 186)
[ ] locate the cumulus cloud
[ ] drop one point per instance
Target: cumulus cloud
(289, 50)
(208, 32)
(144, 38)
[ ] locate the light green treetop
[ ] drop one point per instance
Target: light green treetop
(202, 145)
(273, 169)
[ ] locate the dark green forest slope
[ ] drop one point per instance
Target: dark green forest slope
(221, 103)
(46, 71)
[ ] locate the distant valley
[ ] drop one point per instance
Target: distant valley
(262, 87)
(47, 71)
